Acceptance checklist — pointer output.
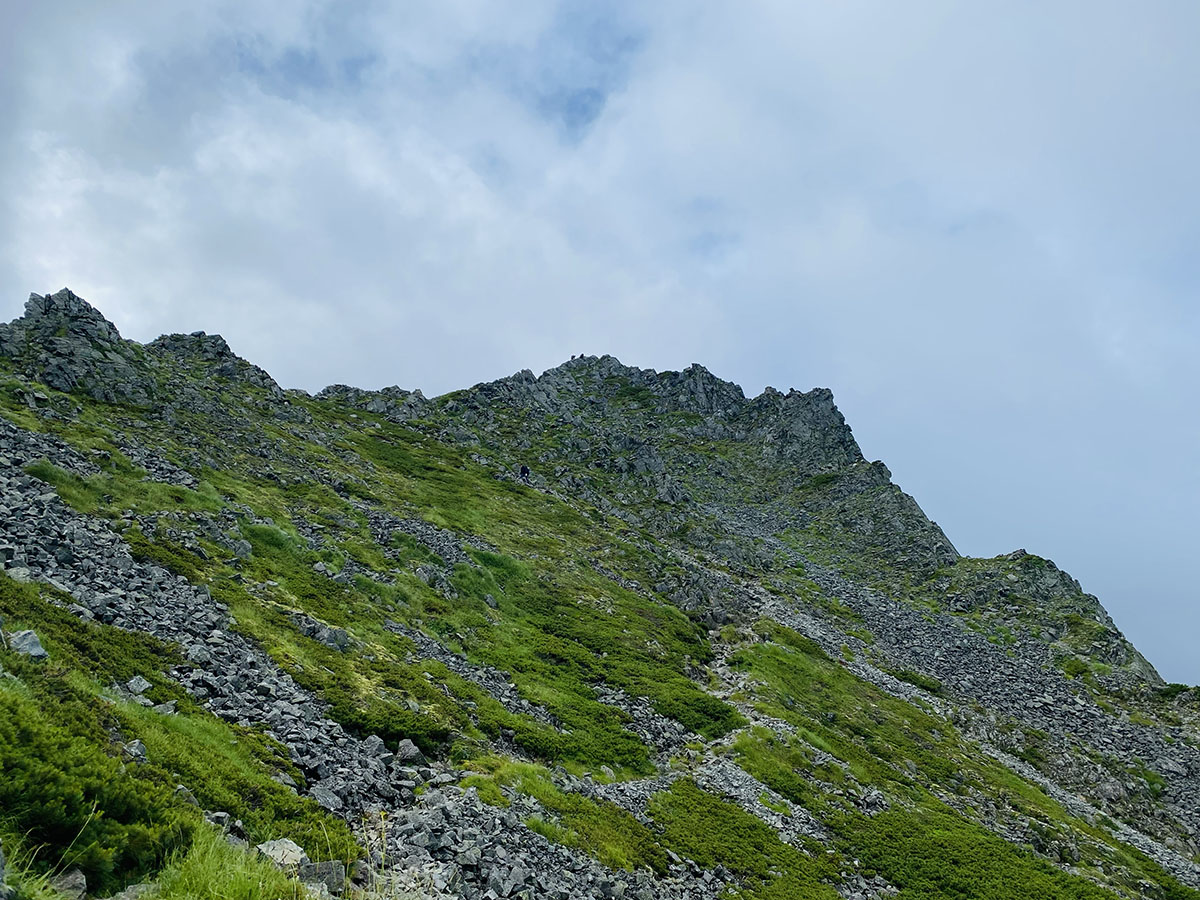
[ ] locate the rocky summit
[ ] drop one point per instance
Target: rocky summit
(604, 632)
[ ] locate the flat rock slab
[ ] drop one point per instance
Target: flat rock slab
(284, 853)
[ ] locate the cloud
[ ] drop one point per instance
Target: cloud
(976, 223)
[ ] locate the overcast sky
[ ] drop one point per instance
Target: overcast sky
(978, 223)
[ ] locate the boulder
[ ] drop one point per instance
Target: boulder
(284, 852)
(326, 797)
(134, 892)
(331, 874)
(409, 754)
(27, 643)
(72, 885)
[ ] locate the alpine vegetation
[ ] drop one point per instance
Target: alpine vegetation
(603, 633)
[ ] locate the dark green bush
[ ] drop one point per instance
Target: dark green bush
(63, 786)
(701, 713)
(172, 557)
(934, 855)
(75, 803)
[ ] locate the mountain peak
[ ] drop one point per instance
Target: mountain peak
(66, 311)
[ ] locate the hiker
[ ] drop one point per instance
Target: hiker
(525, 473)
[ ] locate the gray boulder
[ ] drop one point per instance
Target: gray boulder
(27, 643)
(135, 891)
(72, 885)
(284, 852)
(326, 797)
(409, 754)
(331, 874)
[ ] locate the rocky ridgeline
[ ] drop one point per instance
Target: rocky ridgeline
(1027, 588)
(626, 439)
(802, 433)
(64, 343)
(393, 403)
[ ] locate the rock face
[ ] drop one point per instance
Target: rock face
(393, 403)
(636, 444)
(428, 633)
(212, 355)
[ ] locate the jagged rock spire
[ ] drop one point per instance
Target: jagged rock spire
(65, 342)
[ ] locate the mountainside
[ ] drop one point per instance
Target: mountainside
(704, 649)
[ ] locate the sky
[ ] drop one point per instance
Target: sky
(977, 223)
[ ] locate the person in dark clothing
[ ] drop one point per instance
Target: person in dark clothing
(525, 473)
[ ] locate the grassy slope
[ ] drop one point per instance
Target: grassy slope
(65, 789)
(559, 627)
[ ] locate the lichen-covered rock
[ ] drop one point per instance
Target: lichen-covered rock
(71, 885)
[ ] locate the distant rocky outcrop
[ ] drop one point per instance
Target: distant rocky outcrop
(393, 403)
(213, 355)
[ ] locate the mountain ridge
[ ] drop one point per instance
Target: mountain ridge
(716, 601)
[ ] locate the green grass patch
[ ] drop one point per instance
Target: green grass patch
(918, 679)
(711, 831)
(1074, 667)
(76, 804)
(121, 486)
(933, 854)
(212, 869)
